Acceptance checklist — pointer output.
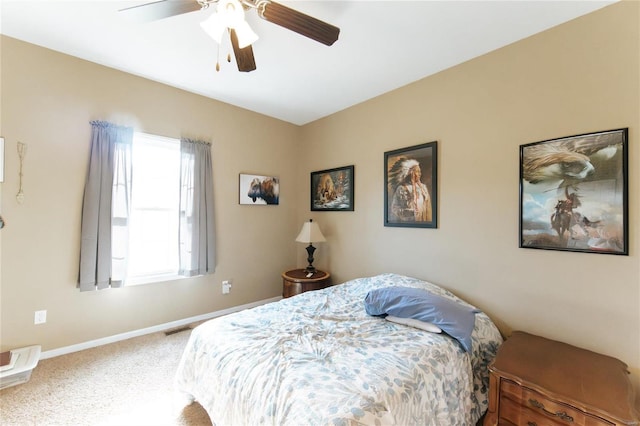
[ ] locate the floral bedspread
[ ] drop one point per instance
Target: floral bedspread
(319, 359)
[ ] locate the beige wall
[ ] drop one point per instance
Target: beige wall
(582, 76)
(47, 101)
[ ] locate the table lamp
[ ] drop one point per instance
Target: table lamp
(310, 233)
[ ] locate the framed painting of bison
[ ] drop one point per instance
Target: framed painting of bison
(573, 193)
(259, 190)
(332, 190)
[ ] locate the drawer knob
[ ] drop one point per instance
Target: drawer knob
(532, 424)
(560, 414)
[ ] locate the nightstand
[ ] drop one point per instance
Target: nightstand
(296, 281)
(537, 381)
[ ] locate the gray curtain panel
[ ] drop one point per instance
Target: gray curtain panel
(110, 157)
(196, 229)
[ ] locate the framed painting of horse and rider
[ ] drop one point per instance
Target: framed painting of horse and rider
(573, 193)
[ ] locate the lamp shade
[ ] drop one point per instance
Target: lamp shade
(310, 233)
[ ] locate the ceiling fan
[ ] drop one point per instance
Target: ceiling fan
(230, 15)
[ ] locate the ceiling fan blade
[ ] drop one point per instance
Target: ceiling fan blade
(244, 57)
(300, 23)
(160, 9)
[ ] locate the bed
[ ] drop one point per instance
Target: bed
(319, 359)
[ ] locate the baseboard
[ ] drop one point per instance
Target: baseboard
(161, 327)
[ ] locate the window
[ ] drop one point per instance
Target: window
(155, 221)
(154, 215)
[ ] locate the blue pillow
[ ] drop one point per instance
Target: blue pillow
(455, 319)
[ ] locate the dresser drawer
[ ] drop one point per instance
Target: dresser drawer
(522, 406)
(512, 413)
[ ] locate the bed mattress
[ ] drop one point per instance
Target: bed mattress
(319, 359)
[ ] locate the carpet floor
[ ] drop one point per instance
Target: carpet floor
(127, 383)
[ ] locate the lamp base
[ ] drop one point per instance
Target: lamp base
(310, 269)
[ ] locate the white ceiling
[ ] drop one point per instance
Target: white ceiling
(383, 45)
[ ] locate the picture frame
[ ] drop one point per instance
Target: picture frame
(574, 193)
(259, 190)
(411, 186)
(333, 189)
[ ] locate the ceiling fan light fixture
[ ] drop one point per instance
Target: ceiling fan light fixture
(230, 15)
(246, 35)
(214, 27)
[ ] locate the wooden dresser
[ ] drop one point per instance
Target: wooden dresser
(540, 382)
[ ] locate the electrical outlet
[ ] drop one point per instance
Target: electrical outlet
(40, 317)
(226, 286)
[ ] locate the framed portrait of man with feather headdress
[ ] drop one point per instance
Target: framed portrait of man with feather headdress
(573, 193)
(410, 193)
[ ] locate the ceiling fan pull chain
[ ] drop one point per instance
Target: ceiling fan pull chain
(218, 59)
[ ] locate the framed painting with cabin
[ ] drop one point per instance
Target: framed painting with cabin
(333, 189)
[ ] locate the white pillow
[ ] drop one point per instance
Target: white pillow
(411, 322)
